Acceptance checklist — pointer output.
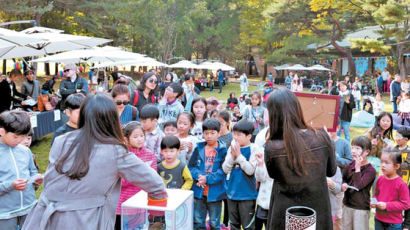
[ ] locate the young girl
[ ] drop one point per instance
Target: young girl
(383, 131)
(357, 95)
(232, 101)
(135, 137)
(255, 113)
(378, 105)
(236, 115)
(224, 134)
(199, 106)
(185, 122)
(391, 195)
(404, 107)
(368, 106)
(189, 90)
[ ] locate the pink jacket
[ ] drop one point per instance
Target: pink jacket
(127, 189)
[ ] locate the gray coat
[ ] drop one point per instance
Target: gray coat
(89, 203)
(31, 89)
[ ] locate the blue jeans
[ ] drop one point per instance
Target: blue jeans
(394, 106)
(345, 125)
(378, 225)
(357, 104)
(201, 208)
(220, 86)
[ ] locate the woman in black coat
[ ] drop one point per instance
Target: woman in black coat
(299, 159)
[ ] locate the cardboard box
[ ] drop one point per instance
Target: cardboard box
(320, 110)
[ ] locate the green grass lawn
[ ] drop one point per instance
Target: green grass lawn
(41, 147)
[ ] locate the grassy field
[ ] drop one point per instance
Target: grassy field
(42, 146)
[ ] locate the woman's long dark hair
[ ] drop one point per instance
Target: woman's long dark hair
(285, 122)
(98, 123)
(144, 80)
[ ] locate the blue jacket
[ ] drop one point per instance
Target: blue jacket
(215, 179)
(16, 162)
(380, 81)
(396, 90)
(221, 76)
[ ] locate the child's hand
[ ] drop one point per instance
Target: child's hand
(20, 184)
(344, 187)
(358, 162)
(189, 146)
(381, 205)
(39, 180)
(235, 150)
(259, 158)
(202, 179)
(372, 205)
(330, 183)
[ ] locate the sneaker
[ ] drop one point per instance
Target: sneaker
(223, 227)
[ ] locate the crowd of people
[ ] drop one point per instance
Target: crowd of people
(246, 164)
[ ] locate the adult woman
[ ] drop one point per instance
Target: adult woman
(30, 88)
(168, 80)
(299, 159)
(83, 178)
(297, 85)
(121, 96)
(145, 94)
(381, 135)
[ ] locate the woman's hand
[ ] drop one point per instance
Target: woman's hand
(330, 183)
(344, 187)
(259, 159)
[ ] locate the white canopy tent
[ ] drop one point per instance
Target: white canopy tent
(184, 64)
(282, 67)
(39, 29)
(10, 40)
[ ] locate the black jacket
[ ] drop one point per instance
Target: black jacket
(5, 95)
(346, 114)
(290, 189)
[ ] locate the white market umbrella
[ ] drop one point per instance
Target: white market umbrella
(282, 67)
(47, 42)
(318, 67)
(82, 56)
(146, 61)
(40, 29)
(10, 39)
(297, 67)
(216, 66)
(184, 64)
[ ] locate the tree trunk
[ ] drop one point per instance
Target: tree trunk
(400, 60)
(265, 70)
(47, 68)
(349, 56)
(5, 66)
(56, 69)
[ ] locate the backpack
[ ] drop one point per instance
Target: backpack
(137, 95)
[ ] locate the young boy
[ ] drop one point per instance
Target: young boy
(402, 138)
(149, 115)
(72, 110)
(170, 128)
(240, 164)
(174, 172)
(358, 177)
(169, 106)
(17, 194)
(206, 169)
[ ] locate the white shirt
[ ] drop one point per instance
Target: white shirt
(385, 75)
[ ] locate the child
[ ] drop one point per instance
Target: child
(135, 137)
(149, 115)
(185, 122)
(206, 169)
(232, 101)
(18, 171)
(213, 113)
(360, 174)
(189, 91)
(27, 142)
(391, 195)
(255, 113)
(236, 115)
(334, 185)
(368, 105)
(170, 128)
(356, 95)
(224, 134)
(378, 105)
(240, 164)
(404, 107)
(267, 91)
(169, 106)
(199, 106)
(174, 172)
(266, 183)
(72, 110)
(402, 138)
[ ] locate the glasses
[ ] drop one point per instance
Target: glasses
(122, 102)
(152, 80)
(66, 70)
